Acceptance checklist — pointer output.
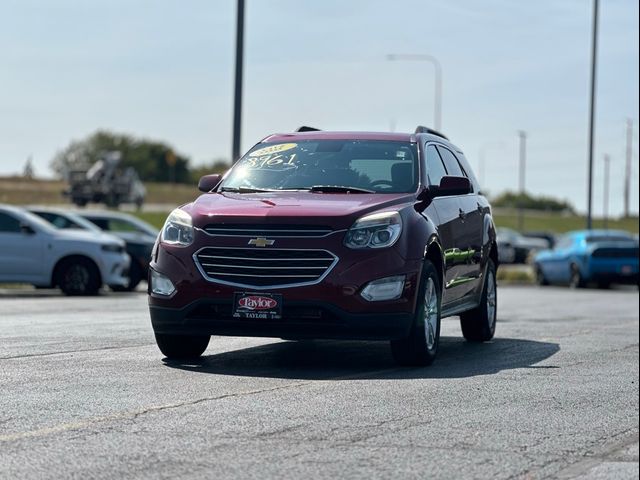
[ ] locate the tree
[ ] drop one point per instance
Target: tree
(154, 161)
(530, 202)
(28, 171)
(219, 165)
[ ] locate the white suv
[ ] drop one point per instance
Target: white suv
(79, 262)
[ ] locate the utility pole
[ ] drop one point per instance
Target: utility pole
(605, 200)
(521, 177)
(592, 107)
(237, 98)
(627, 179)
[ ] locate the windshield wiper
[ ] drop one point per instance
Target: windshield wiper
(338, 189)
(244, 190)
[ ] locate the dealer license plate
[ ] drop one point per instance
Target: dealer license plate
(258, 306)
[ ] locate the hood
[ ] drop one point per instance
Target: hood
(88, 236)
(336, 210)
(531, 242)
(136, 238)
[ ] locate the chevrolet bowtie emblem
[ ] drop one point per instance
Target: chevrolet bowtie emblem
(261, 242)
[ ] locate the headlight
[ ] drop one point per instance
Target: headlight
(112, 248)
(178, 229)
(378, 230)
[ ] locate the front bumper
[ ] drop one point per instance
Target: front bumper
(331, 308)
(299, 320)
(115, 269)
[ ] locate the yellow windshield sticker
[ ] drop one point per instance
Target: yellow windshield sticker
(273, 149)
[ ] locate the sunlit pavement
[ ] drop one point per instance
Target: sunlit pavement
(85, 394)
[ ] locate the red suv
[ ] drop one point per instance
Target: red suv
(319, 234)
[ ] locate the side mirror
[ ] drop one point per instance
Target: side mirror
(450, 185)
(26, 229)
(209, 182)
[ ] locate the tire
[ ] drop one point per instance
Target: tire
(78, 276)
(135, 276)
(421, 346)
(479, 324)
(182, 346)
(540, 278)
(576, 280)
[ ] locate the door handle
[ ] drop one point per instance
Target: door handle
(462, 214)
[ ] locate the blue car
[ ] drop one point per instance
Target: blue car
(589, 256)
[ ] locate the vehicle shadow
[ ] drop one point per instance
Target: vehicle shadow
(347, 360)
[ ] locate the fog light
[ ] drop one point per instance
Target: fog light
(389, 288)
(161, 285)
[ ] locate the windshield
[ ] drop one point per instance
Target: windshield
(609, 238)
(362, 165)
(66, 221)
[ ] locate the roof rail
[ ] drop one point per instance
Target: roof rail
(421, 129)
(304, 128)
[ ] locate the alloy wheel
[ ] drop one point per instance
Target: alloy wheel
(430, 313)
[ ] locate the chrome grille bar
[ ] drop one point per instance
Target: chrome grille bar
(264, 268)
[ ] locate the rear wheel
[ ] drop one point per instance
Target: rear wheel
(182, 346)
(421, 346)
(479, 324)
(78, 276)
(576, 280)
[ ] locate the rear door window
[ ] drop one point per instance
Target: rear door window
(451, 162)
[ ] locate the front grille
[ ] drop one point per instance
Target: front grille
(612, 252)
(264, 268)
(272, 231)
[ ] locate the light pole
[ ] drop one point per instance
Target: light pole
(629, 158)
(592, 106)
(237, 97)
(605, 200)
(521, 177)
(437, 103)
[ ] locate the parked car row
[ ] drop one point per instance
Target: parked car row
(515, 247)
(78, 252)
(602, 257)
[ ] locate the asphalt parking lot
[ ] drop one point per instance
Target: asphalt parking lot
(86, 394)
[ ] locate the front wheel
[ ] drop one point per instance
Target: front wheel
(182, 346)
(541, 279)
(78, 276)
(421, 346)
(479, 324)
(576, 280)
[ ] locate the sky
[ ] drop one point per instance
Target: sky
(163, 70)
